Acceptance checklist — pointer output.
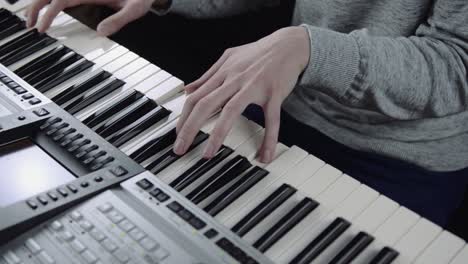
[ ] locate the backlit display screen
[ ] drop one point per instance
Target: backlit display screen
(27, 170)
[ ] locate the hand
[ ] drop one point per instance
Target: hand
(263, 73)
(129, 11)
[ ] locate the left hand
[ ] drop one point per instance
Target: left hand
(263, 73)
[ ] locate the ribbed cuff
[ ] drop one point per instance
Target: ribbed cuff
(334, 63)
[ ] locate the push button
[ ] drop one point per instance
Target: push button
(33, 205)
(211, 233)
(197, 223)
(63, 192)
(72, 188)
(174, 206)
(34, 101)
(84, 184)
(41, 112)
(42, 200)
(162, 197)
(144, 184)
(119, 171)
(52, 196)
(27, 96)
(21, 90)
(185, 214)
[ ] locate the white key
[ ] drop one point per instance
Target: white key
(368, 221)
(16, 7)
(120, 62)
(131, 68)
(302, 170)
(441, 250)
(142, 74)
(110, 56)
(388, 233)
(268, 222)
(416, 240)
(328, 200)
(461, 257)
(81, 39)
(352, 206)
(276, 169)
(130, 82)
(397, 226)
(166, 90)
(240, 133)
(148, 84)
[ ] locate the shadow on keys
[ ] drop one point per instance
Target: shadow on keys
(187, 48)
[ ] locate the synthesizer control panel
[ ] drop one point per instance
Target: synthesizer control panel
(115, 227)
(49, 159)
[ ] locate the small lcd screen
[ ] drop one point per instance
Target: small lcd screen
(27, 170)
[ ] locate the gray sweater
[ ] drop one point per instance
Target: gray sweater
(384, 76)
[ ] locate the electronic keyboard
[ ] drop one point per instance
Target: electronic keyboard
(296, 209)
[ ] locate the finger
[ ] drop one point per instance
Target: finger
(201, 112)
(272, 126)
(193, 99)
(54, 9)
(230, 113)
(190, 88)
(33, 11)
(117, 21)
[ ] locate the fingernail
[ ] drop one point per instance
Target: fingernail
(267, 156)
(179, 146)
(209, 152)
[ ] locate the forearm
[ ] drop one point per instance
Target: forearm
(421, 76)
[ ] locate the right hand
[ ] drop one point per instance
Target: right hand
(129, 10)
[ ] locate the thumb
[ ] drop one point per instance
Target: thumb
(117, 21)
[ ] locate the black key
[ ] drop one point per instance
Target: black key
(199, 169)
(154, 146)
(26, 38)
(17, 56)
(12, 30)
(238, 188)
(385, 256)
(54, 70)
(85, 100)
(130, 131)
(286, 223)
(8, 21)
(229, 172)
(264, 209)
(75, 90)
(125, 117)
(43, 61)
(353, 248)
(170, 157)
(23, 47)
(322, 241)
(68, 73)
(123, 101)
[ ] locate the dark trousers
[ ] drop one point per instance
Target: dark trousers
(186, 48)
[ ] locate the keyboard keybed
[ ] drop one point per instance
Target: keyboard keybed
(333, 217)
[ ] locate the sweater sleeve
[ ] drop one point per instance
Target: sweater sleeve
(217, 8)
(405, 78)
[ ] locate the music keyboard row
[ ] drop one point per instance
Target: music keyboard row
(296, 209)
